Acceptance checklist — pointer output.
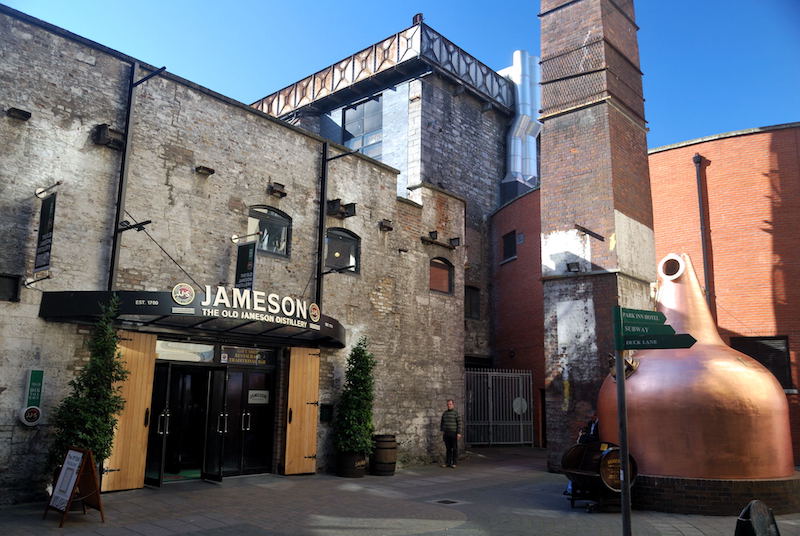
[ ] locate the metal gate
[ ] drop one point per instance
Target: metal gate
(499, 407)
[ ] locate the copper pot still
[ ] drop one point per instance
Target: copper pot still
(702, 412)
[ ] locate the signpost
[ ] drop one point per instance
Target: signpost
(637, 329)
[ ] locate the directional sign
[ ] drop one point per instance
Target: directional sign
(637, 329)
(641, 342)
(646, 329)
(639, 316)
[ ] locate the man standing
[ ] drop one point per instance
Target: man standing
(451, 430)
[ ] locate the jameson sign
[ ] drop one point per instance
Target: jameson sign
(245, 265)
(45, 240)
(246, 304)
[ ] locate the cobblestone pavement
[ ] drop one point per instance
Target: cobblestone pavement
(501, 491)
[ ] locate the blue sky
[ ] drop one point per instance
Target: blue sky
(710, 66)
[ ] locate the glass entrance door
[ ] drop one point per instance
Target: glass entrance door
(250, 409)
(158, 422)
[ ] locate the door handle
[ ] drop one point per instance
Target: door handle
(226, 423)
(147, 417)
(219, 423)
(166, 425)
(243, 416)
(160, 426)
(290, 415)
(249, 419)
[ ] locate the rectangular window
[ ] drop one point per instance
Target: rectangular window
(772, 352)
(362, 127)
(509, 245)
(9, 287)
(441, 276)
(472, 303)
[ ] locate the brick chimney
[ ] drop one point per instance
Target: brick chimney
(597, 220)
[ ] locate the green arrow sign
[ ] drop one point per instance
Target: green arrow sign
(630, 328)
(642, 342)
(640, 316)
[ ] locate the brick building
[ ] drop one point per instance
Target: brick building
(749, 183)
(419, 103)
(124, 147)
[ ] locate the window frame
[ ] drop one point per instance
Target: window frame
(787, 373)
(442, 262)
(357, 142)
(15, 285)
(265, 213)
(505, 256)
(341, 231)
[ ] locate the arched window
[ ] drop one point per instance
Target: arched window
(441, 275)
(343, 250)
(275, 228)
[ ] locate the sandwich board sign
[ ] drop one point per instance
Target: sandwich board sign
(77, 480)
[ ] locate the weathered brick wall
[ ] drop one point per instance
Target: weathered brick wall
(462, 149)
(752, 194)
(68, 89)
(594, 175)
(416, 334)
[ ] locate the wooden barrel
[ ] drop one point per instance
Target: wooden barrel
(384, 455)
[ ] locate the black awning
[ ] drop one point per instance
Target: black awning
(157, 312)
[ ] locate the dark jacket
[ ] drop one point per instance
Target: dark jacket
(451, 421)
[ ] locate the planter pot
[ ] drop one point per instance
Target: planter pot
(351, 465)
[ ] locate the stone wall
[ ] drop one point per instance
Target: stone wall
(416, 334)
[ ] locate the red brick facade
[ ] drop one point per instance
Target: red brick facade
(518, 314)
(752, 192)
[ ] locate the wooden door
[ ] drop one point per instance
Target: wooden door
(302, 412)
(127, 459)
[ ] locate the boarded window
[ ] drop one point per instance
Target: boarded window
(441, 275)
(472, 303)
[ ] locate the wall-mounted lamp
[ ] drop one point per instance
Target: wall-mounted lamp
(204, 170)
(17, 113)
(125, 225)
(277, 189)
(573, 267)
(339, 210)
(589, 232)
(433, 235)
(455, 242)
(235, 238)
(105, 135)
(39, 192)
(385, 225)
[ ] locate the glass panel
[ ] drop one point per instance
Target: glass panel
(215, 426)
(232, 460)
(373, 151)
(372, 122)
(342, 250)
(154, 463)
(183, 351)
(258, 422)
(373, 137)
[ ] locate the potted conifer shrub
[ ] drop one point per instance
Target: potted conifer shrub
(87, 416)
(353, 426)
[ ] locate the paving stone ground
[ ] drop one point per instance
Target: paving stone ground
(500, 491)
